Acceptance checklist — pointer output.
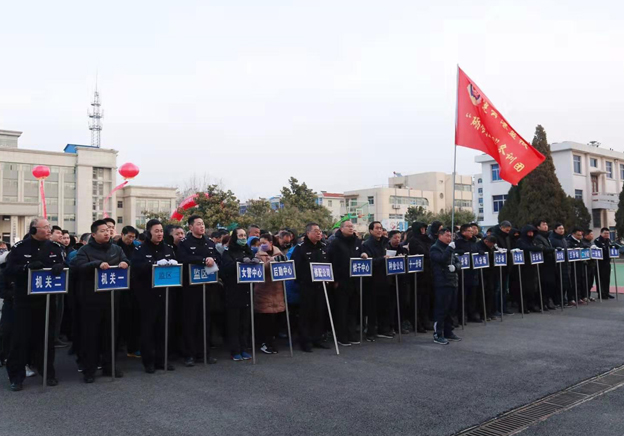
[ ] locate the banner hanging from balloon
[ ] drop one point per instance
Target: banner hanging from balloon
(128, 171)
(41, 172)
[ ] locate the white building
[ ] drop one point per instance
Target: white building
(334, 202)
(591, 173)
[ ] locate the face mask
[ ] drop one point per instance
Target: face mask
(254, 250)
(241, 242)
(265, 247)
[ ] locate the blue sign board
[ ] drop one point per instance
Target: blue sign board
(166, 276)
(574, 254)
(560, 256)
(199, 276)
(359, 267)
(322, 272)
(112, 279)
(480, 260)
(500, 258)
(614, 252)
(518, 257)
(395, 265)
(536, 257)
(41, 282)
(415, 263)
(249, 272)
(585, 254)
(596, 253)
(465, 260)
(282, 271)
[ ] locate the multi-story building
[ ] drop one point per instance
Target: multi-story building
(133, 201)
(80, 179)
(334, 202)
(585, 171)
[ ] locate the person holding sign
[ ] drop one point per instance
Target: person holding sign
(446, 267)
(529, 270)
(467, 244)
(490, 276)
(154, 251)
(604, 266)
(560, 242)
(312, 315)
(35, 252)
(549, 272)
(95, 315)
(420, 243)
(195, 249)
(344, 246)
(394, 244)
(237, 299)
(574, 241)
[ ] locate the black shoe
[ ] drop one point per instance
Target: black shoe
(88, 378)
(189, 362)
(453, 337)
(16, 387)
(307, 348)
(60, 344)
(507, 312)
(109, 373)
(170, 367)
(421, 329)
(150, 369)
(322, 345)
(355, 341)
(551, 305)
(211, 360)
(80, 367)
(370, 338)
(611, 297)
(52, 382)
(546, 308)
(385, 335)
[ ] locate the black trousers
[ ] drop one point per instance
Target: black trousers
(346, 310)
(28, 336)
(312, 314)
(95, 327)
(7, 320)
(268, 327)
(152, 330)
(604, 269)
(129, 321)
(238, 324)
(443, 321)
(192, 317)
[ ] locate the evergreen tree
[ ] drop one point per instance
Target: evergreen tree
(619, 216)
(418, 213)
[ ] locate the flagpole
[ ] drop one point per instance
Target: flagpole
(455, 154)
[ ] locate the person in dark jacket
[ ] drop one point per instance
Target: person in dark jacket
(562, 273)
(529, 271)
(129, 312)
(154, 251)
(547, 269)
(604, 266)
(446, 267)
(588, 266)
(95, 316)
(503, 242)
(574, 240)
(434, 228)
(466, 244)
(312, 305)
(490, 277)
(377, 306)
(420, 243)
(343, 247)
(394, 244)
(237, 297)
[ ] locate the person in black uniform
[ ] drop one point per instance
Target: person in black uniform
(562, 271)
(196, 249)
(576, 269)
(312, 306)
(548, 268)
(420, 243)
(604, 266)
(529, 271)
(35, 252)
(151, 300)
(95, 316)
(130, 317)
(394, 243)
(466, 244)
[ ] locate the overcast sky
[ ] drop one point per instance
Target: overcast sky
(336, 93)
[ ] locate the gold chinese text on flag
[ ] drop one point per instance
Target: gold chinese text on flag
(482, 127)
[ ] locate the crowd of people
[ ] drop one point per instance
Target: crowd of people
(446, 296)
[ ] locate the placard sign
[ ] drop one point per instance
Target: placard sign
(500, 258)
(322, 272)
(480, 260)
(465, 260)
(166, 276)
(559, 256)
(41, 282)
(585, 254)
(359, 267)
(536, 257)
(518, 257)
(112, 279)
(415, 263)
(249, 272)
(283, 271)
(395, 265)
(574, 254)
(614, 252)
(596, 253)
(199, 276)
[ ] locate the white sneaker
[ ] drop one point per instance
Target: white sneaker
(29, 372)
(344, 344)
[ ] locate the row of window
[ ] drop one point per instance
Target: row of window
(412, 201)
(593, 162)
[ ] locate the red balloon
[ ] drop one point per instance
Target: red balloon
(128, 170)
(41, 172)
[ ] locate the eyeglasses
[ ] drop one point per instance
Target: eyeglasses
(44, 228)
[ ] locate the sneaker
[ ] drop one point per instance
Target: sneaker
(453, 337)
(265, 349)
(592, 299)
(572, 303)
(89, 378)
(29, 372)
(52, 382)
(385, 335)
(150, 369)
(439, 340)
(496, 315)
(136, 355)
(355, 341)
(611, 297)
(60, 344)
(245, 355)
(189, 362)
(16, 387)
(582, 302)
(506, 312)
(344, 344)
(370, 338)
(273, 349)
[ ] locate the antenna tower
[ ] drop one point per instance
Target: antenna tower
(96, 114)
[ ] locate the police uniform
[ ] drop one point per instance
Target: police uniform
(29, 329)
(151, 301)
(195, 251)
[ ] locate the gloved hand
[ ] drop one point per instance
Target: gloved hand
(35, 264)
(594, 247)
(496, 247)
(173, 262)
(246, 260)
(279, 258)
(502, 250)
(255, 260)
(162, 262)
(57, 269)
(452, 245)
(451, 268)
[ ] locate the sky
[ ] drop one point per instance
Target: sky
(338, 94)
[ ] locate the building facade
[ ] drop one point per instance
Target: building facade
(333, 202)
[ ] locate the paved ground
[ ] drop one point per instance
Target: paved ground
(385, 388)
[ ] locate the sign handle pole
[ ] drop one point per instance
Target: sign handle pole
(361, 310)
(287, 319)
(415, 302)
(463, 295)
(45, 342)
(205, 331)
(539, 282)
(587, 283)
(500, 269)
(561, 283)
(166, 327)
(598, 278)
(576, 286)
(396, 281)
(331, 319)
(483, 293)
(521, 297)
(616, 283)
(113, 335)
(253, 327)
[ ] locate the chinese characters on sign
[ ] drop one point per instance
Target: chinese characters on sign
(585, 254)
(500, 259)
(166, 276)
(322, 272)
(480, 260)
(559, 256)
(465, 260)
(596, 253)
(361, 267)
(518, 257)
(112, 279)
(614, 253)
(536, 257)
(395, 265)
(574, 254)
(199, 276)
(415, 263)
(282, 271)
(250, 272)
(43, 282)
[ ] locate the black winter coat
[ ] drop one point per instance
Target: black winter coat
(146, 255)
(305, 253)
(376, 250)
(441, 257)
(195, 251)
(340, 251)
(421, 244)
(236, 294)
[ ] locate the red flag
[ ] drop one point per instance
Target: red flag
(480, 126)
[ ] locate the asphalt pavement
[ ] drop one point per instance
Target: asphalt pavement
(381, 388)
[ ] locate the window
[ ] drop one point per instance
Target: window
(371, 200)
(495, 172)
(395, 216)
(622, 171)
(9, 198)
(578, 194)
(609, 169)
(34, 200)
(70, 189)
(597, 217)
(498, 202)
(119, 204)
(69, 202)
(342, 203)
(463, 203)
(152, 205)
(412, 201)
(480, 190)
(577, 164)
(119, 220)
(480, 181)
(481, 201)
(329, 203)
(480, 210)
(593, 162)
